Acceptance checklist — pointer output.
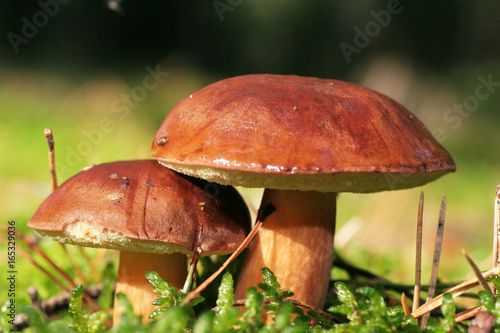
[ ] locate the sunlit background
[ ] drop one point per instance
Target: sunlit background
(84, 69)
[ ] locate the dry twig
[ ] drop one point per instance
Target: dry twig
(52, 164)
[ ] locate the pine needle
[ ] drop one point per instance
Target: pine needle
(35, 248)
(477, 272)
(30, 258)
(418, 255)
(435, 261)
(74, 266)
(467, 314)
(261, 216)
(454, 291)
(404, 302)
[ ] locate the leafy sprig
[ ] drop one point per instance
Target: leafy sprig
(82, 320)
(364, 309)
(168, 296)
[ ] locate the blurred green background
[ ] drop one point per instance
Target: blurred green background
(79, 68)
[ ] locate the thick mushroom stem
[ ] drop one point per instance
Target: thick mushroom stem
(132, 282)
(296, 243)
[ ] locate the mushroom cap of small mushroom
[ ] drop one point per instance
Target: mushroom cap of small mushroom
(144, 207)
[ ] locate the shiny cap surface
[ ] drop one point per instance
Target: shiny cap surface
(143, 206)
(291, 132)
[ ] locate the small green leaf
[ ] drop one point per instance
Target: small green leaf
(169, 297)
(158, 313)
(271, 287)
(350, 305)
(161, 287)
(96, 321)
(269, 278)
(83, 321)
(225, 300)
(487, 300)
(254, 304)
(495, 279)
(75, 309)
(163, 301)
(345, 295)
(377, 302)
(225, 315)
(448, 308)
(196, 301)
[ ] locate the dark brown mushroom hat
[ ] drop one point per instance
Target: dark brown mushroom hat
(302, 133)
(144, 207)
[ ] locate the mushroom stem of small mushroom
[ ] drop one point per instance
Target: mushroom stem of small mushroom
(296, 243)
(132, 282)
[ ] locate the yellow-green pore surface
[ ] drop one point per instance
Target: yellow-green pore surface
(290, 132)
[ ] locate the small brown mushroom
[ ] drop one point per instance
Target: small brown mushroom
(150, 214)
(304, 140)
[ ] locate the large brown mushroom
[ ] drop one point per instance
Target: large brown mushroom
(303, 139)
(151, 214)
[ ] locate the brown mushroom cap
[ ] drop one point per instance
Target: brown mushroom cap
(290, 132)
(142, 206)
